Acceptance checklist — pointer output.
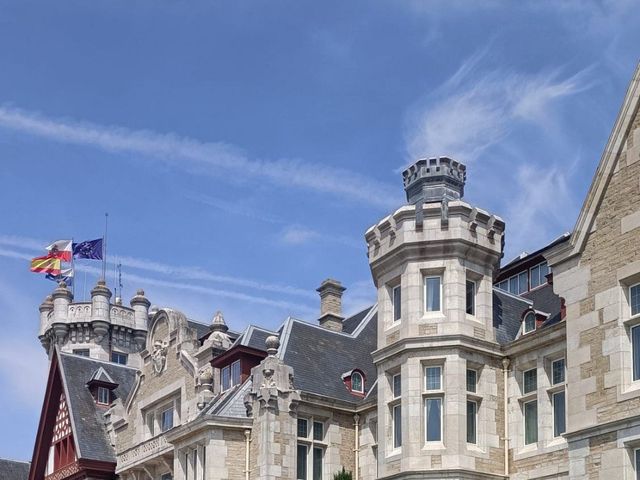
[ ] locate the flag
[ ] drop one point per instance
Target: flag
(61, 249)
(65, 275)
(91, 249)
(46, 265)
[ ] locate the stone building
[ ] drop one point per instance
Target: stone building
(462, 369)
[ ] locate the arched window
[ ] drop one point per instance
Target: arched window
(529, 322)
(357, 382)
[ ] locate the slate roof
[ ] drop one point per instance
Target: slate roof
(88, 421)
(14, 470)
(546, 301)
(507, 315)
(320, 356)
(254, 337)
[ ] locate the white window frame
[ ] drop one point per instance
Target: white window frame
(395, 402)
(475, 293)
(631, 314)
(553, 412)
(524, 390)
(525, 331)
(232, 382)
(424, 290)
(477, 405)
(466, 380)
(353, 389)
(99, 399)
(564, 371)
(524, 422)
(393, 304)
(427, 367)
(634, 347)
(311, 443)
(431, 394)
(161, 412)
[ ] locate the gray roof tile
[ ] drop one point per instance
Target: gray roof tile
(13, 470)
(507, 314)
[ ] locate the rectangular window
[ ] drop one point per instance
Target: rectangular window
(103, 395)
(397, 426)
(397, 386)
(504, 285)
(634, 299)
(472, 380)
(397, 303)
(432, 378)
(637, 464)
(513, 285)
(530, 422)
(235, 373)
(318, 431)
(523, 282)
(302, 463)
(166, 476)
(471, 297)
(557, 371)
(166, 419)
(432, 294)
(535, 276)
(530, 381)
(472, 415)
(433, 415)
(559, 414)
(303, 428)
(635, 344)
(226, 378)
(83, 352)
(317, 463)
(120, 358)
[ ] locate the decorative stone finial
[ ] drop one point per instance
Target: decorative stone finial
(273, 343)
(434, 180)
(47, 304)
(218, 324)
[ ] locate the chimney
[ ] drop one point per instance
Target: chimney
(331, 304)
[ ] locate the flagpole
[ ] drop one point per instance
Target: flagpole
(73, 272)
(104, 248)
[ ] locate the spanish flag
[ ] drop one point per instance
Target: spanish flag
(46, 264)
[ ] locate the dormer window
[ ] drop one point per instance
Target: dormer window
(104, 396)
(230, 375)
(357, 383)
(529, 324)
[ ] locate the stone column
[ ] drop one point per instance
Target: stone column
(273, 403)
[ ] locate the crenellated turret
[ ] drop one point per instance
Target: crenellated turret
(62, 298)
(100, 321)
(46, 309)
(140, 305)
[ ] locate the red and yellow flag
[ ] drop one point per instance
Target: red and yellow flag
(46, 264)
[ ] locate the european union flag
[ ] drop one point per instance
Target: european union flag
(91, 249)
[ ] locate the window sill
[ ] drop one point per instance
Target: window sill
(529, 397)
(560, 387)
(393, 326)
(474, 448)
(394, 454)
(433, 316)
(629, 391)
(433, 446)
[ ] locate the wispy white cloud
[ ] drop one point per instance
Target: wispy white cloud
(242, 209)
(299, 235)
(474, 110)
(213, 158)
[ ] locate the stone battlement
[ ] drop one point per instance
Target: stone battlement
(433, 179)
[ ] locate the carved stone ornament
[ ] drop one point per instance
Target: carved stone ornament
(159, 356)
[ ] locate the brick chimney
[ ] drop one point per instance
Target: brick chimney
(331, 304)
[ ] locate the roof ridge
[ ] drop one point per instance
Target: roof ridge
(509, 294)
(15, 461)
(106, 362)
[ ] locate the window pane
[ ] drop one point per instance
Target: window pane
(634, 299)
(235, 373)
(117, 357)
(544, 271)
(471, 421)
(432, 294)
(635, 340)
(397, 304)
(151, 423)
(535, 276)
(638, 464)
(318, 431)
(523, 282)
(83, 352)
(317, 464)
(397, 426)
(103, 395)
(513, 285)
(397, 386)
(559, 422)
(529, 322)
(432, 378)
(530, 383)
(303, 430)
(226, 378)
(530, 422)
(167, 420)
(504, 285)
(471, 297)
(302, 463)
(472, 380)
(356, 382)
(434, 419)
(557, 368)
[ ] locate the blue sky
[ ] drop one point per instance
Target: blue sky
(243, 148)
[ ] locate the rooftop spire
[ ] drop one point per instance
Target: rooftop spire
(218, 324)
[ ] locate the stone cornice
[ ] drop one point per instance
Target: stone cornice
(538, 339)
(207, 422)
(450, 473)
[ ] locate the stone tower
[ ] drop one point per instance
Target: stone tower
(98, 329)
(432, 262)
